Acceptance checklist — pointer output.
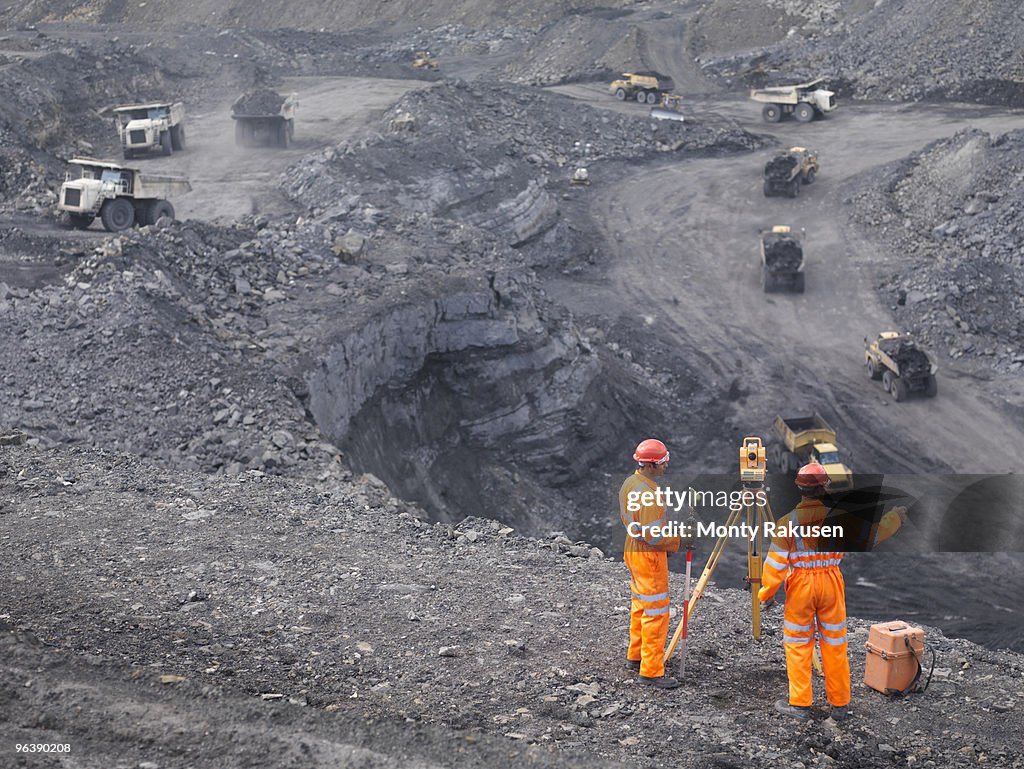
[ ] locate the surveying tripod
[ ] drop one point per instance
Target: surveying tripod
(752, 475)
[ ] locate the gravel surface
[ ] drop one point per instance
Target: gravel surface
(470, 628)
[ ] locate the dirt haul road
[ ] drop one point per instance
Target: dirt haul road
(682, 243)
(229, 181)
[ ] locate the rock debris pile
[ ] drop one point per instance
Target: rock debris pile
(951, 219)
(907, 50)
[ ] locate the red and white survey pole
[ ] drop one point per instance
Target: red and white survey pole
(686, 604)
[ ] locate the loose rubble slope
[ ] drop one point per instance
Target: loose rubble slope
(343, 602)
(949, 222)
(312, 15)
(908, 49)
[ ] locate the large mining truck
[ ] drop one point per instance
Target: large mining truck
(786, 172)
(119, 196)
(804, 101)
(782, 260)
(903, 367)
(145, 127)
(647, 87)
(264, 117)
(804, 439)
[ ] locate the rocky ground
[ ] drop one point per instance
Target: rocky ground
(948, 220)
(206, 567)
(906, 50)
(336, 616)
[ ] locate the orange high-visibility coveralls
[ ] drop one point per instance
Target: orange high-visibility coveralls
(815, 598)
(646, 555)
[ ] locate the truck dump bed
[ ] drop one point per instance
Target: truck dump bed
(262, 103)
(912, 361)
(782, 168)
(802, 431)
(782, 253)
(155, 186)
(665, 83)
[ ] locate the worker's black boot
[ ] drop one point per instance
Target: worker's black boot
(801, 712)
(840, 712)
(633, 665)
(659, 682)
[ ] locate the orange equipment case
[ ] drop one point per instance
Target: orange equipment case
(893, 663)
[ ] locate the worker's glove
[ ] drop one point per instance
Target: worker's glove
(901, 512)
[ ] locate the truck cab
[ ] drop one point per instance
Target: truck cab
(143, 127)
(96, 182)
(827, 455)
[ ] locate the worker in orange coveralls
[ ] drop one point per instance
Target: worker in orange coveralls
(646, 554)
(815, 598)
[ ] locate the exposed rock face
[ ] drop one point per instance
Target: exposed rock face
(394, 345)
(467, 398)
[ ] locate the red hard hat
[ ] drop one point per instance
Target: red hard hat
(812, 476)
(651, 450)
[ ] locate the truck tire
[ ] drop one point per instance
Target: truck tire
(798, 283)
(794, 188)
(641, 97)
(899, 389)
(178, 137)
(165, 142)
(772, 113)
(809, 177)
(117, 214)
(790, 461)
(158, 209)
(803, 112)
(887, 380)
(620, 94)
(872, 368)
(931, 388)
(80, 221)
(653, 98)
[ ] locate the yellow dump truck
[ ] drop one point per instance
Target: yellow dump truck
(903, 367)
(646, 87)
(264, 117)
(787, 171)
(423, 60)
(804, 439)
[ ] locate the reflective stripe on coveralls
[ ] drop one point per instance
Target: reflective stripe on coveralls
(647, 559)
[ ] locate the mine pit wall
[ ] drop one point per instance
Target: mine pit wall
(470, 405)
(520, 217)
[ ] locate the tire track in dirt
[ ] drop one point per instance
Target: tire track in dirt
(690, 230)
